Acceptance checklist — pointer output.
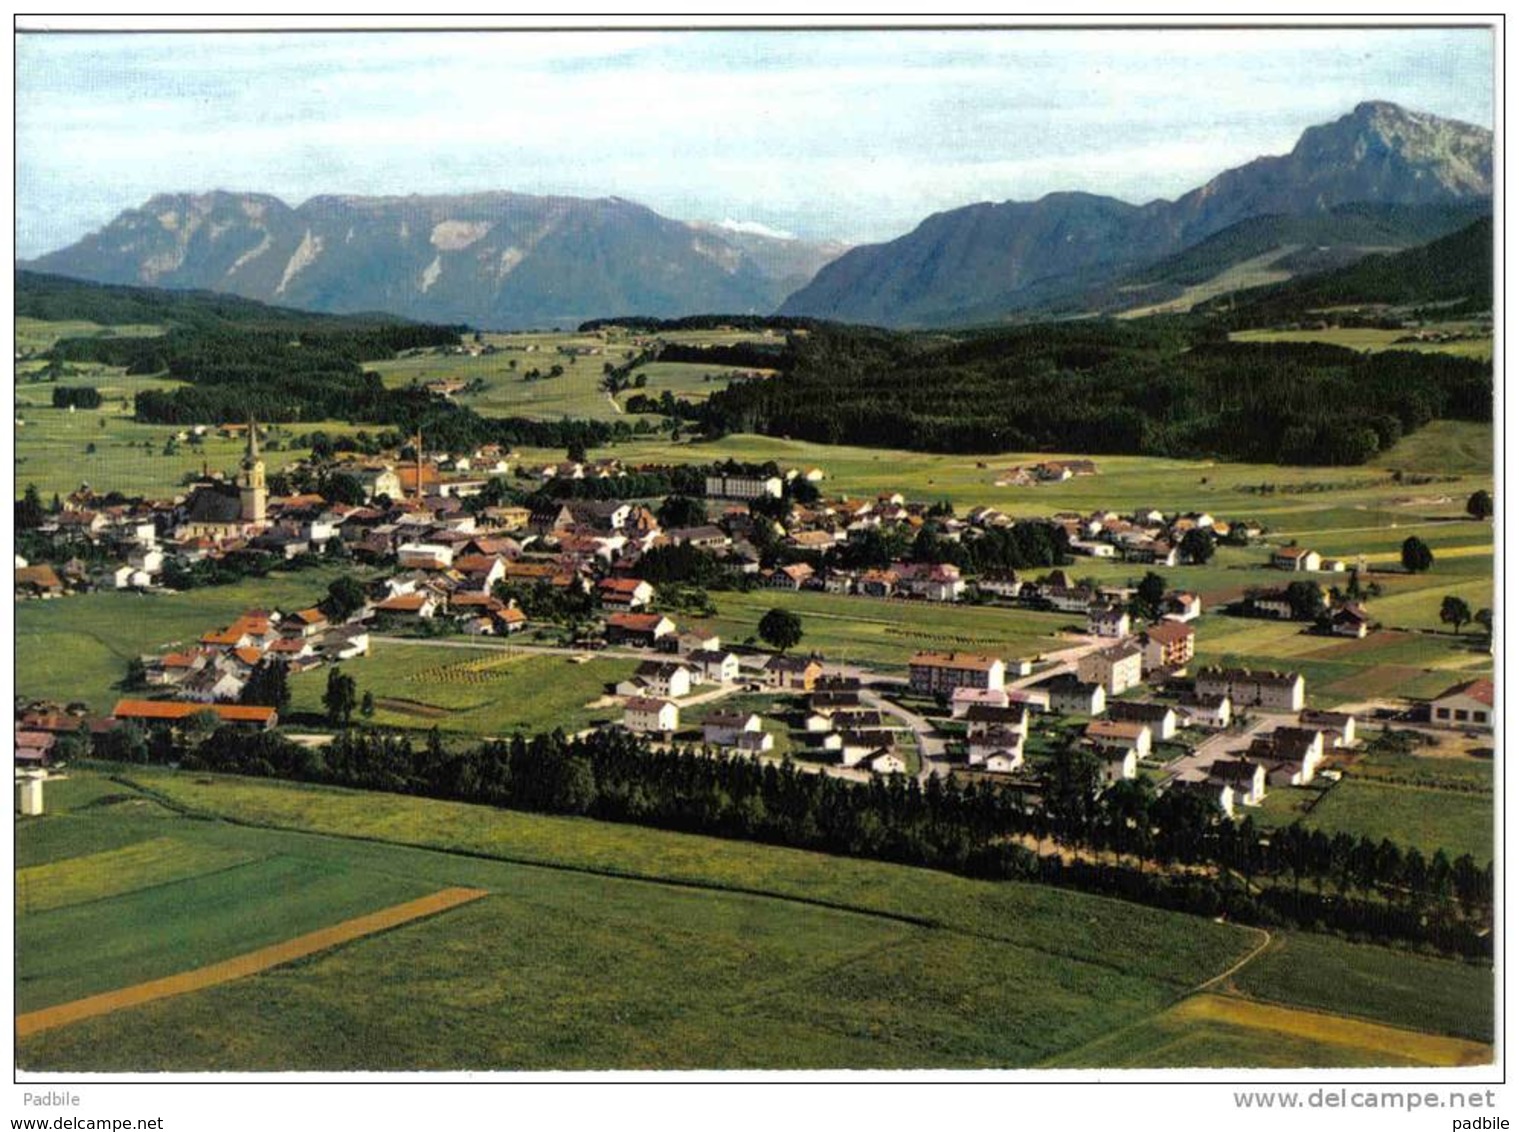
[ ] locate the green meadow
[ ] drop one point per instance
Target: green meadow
(606, 946)
(76, 648)
(474, 692)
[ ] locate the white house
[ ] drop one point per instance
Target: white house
(716, 665)
(1246, 777)
(1296, 558)
(723, 728)
(1123, 735)
(1467, 705)
(658, 678)
(961, 700)
(1108, 621)
(1212, 712)
(650, 715)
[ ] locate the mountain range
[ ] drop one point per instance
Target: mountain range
(498, 260)
(984, 261)
(1378, 179)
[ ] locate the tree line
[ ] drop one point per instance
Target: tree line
(1176, 850)
(1175, 388)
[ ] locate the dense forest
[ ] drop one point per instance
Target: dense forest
(1456, 270)
(1291, 875)
(1165, 387)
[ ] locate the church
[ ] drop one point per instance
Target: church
(219, 511)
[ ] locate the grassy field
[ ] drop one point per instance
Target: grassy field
(1372, 340)
(1222, 1032)
(53, 445)
(1337, 670)
(1423, 817)
(34, 335)
(607, 966)
(561, 969)
(1395, 987)
(471, 691)
(884, 634)
(77, 648)
(577, 391)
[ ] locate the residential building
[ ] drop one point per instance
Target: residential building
(1468, 705)
(723, 728)
(1162, 718)
(638, 628)
(1116, 668)
(1274, 691)
(1070, 695)
(942, 672)
(650, 715)
(1124, 735)
(792, 672)
(743, 487)
(1168, 644)
(1296, 558)
(1108, 621)
(1338, 727)
(1212, 712)
(1246, 779)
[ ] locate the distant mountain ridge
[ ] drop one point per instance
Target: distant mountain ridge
(498, 260)
(983, 261)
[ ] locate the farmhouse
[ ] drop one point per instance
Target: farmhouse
(624, 593)
(1465, 705)
(1295, 558)
(1350, 620)
(638, 628)
(177, 711)
(943, 672)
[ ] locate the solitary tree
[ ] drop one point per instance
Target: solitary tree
(1455, 612)
(1417, 557)
(1151, 592)
(1480, 505)
(366, 705)
(345, 597)
(1197, 546)
(29, 513)
(1484, 617)
(340, 698)
(781, 628)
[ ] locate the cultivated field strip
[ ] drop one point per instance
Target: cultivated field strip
(242, 966)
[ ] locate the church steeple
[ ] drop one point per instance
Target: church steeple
(251, 488)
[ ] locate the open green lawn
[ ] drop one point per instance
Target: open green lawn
(471, 691)
(1426, 818)
(77, 648)
(35, 335)
(52, 445)
(1444, 996)
(885, 634)
(1340, 670)
(605, 966)
(569, 969)
(1123, 482)
(1373, 340)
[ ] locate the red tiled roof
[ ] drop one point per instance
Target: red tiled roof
(176, 709)
(1479, 690)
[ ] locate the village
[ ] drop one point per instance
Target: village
(563, 576)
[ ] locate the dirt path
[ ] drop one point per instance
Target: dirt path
(243, 965)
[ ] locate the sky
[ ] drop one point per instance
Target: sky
(851, 135)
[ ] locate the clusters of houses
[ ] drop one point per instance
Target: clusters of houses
(218, 667)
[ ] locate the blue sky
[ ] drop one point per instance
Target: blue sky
(856, 135)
